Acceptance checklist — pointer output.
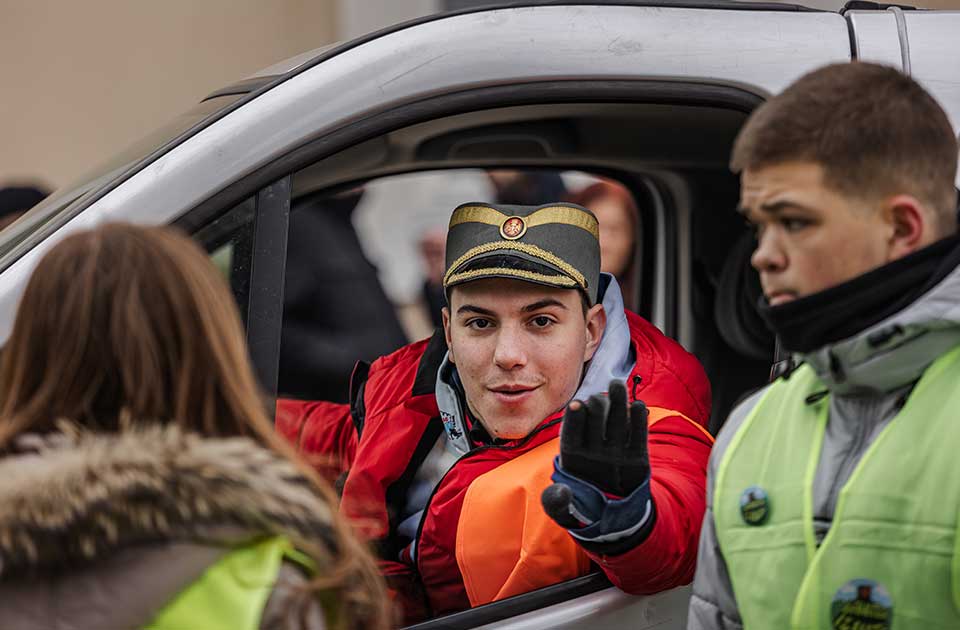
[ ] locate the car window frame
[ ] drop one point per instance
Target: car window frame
(273, 254)
(546, 93)
(261, 297)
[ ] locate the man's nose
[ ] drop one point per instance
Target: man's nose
(769, 256)
(510, 352)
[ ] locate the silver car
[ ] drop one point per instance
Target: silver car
(648, 94)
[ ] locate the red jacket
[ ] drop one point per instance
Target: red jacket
(394, 421)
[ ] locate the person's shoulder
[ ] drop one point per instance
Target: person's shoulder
(734, 421)
(661, 347)
(669, 370)
(407, 373)
(412, 354)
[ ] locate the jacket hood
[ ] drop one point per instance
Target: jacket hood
(895, 351)
(74, 498)
(615, 357)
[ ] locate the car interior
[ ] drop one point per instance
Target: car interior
(691, 258)
(672, 159)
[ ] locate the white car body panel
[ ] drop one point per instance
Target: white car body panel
(758, 51)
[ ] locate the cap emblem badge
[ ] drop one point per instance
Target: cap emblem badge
(513, 228)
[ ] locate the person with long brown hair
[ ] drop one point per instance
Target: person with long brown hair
(142, 482)
(617, 213)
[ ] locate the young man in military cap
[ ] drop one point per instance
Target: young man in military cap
(834, 497)
(454, 439)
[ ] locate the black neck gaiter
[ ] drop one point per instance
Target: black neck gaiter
(808, 323)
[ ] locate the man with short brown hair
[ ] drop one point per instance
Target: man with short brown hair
(833, 498)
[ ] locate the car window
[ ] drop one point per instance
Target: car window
(382, 243)
(229, 242)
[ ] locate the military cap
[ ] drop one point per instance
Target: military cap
(555, 244)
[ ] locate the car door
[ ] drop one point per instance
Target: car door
(338, 109)
(423, 70)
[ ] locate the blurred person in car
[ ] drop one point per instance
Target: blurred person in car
(834, 498)
(449, 445)
(616, 211)
(433, 245)
(142, 484)
(526, 187)
(323, 334)
(15, 200)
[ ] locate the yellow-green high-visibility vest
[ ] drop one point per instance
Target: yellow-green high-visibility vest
(890, 558)
(232, 593)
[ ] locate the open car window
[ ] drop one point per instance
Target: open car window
(382, 243)
(361, 220)
(373, 232)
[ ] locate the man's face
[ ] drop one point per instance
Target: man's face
(810, 238)
(519, 348)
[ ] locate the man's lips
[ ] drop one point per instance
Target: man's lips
(512, 393)
(775, 298)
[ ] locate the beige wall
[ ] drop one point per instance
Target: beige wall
(82, 80)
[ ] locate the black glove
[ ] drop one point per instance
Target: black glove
(603, 445)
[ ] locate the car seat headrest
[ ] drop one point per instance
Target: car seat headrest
(735, 309)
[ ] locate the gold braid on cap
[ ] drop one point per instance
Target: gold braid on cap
(526, 248)
(564, 215)
(561, 281)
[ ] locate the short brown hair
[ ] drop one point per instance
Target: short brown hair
(874, 131)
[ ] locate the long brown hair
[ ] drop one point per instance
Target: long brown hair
(607, 189)
(126, 322)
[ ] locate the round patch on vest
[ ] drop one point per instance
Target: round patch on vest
(754, 505)
(862, 604)
(513, 228)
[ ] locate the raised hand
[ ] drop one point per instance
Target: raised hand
(602, 443)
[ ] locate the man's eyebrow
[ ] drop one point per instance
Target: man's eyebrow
(470, 308)
(536, 306)
(773, 207)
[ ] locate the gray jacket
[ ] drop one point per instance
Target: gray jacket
(102, 531)
(869, 376)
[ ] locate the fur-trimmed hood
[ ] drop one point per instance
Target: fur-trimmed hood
(72, 499)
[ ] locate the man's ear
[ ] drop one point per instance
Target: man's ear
(596, 323)
(912, 225)
(445, 314)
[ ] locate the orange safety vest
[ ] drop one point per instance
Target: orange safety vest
(506, 544)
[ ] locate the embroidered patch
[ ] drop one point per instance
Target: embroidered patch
(450, 426)
(754, 505)
(513, 228)
(862, 605)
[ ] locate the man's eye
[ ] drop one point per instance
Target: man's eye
(792, 224)
(479, 324)
(542, 321)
